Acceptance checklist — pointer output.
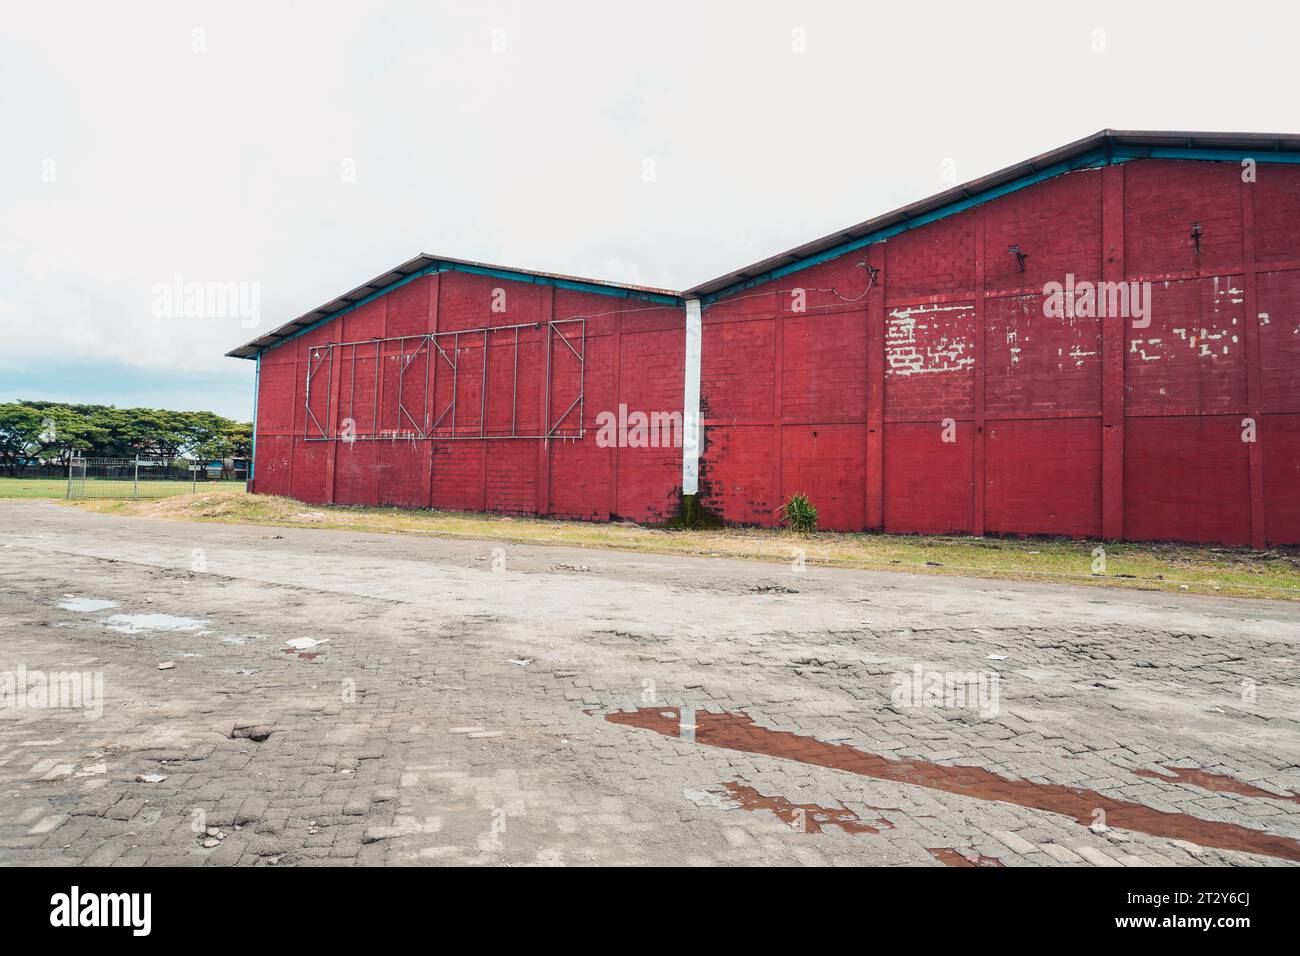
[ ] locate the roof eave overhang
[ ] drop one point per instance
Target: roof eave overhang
(1100, 149)
(425, 264)
(1104, 148)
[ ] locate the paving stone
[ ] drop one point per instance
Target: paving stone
(449, 757)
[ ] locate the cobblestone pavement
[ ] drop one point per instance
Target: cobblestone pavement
(459, 713)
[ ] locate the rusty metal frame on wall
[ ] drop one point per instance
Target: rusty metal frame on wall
(315, 360)
(438, 358)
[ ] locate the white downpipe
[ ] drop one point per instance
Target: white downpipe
(691, 401)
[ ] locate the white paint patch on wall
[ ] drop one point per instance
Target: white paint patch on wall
(906, 354)
(1135, 346)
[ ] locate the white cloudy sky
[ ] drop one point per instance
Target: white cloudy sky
(227, 164)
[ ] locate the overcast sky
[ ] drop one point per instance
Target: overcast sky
(305, 147)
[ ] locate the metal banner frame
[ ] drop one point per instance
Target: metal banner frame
(438, 359)
(315, 360)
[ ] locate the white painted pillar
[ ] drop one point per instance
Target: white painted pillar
(691, 401)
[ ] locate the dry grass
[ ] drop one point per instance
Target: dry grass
(1185, 569)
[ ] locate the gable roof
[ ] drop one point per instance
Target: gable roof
(425, 264)
(1100, 149)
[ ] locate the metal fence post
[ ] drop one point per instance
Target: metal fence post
(135, 482)
(194, 479)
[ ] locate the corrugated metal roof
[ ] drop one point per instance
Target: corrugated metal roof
(1202, 145)
(1107, 139)
(425, 264)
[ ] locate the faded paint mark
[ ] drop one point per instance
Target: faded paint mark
(739, 732)
(1215, 782)
(805, 817)
(1078, 353)
(1134, 347)
(1202, 340)
(952, 857)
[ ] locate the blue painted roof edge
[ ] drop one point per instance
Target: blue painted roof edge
(1108, 156)
(506, 274)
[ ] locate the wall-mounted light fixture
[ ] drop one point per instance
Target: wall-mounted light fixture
(1197, 232)
(1020, 256)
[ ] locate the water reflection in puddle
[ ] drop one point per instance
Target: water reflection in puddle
(84, 605)
(139, 623)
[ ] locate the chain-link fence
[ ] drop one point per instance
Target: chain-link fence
(133, 477)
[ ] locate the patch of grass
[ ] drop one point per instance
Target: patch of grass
(58, 487)
(32, 487)
(1178, 568)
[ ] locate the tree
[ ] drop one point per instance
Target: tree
(20, 427)
(159, 433)
(65, 431)
(56, 431)
(218, 439)
(241, 439)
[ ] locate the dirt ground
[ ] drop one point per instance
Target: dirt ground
(461, 701)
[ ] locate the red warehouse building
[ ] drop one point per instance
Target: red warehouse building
(1103, 341)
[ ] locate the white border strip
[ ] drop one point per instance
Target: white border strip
(691, 401)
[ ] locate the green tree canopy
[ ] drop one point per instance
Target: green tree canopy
(57, 431)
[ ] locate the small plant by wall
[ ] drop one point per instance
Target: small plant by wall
(800, 514)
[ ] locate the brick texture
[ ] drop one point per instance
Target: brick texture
(827, 383)
(400, 386)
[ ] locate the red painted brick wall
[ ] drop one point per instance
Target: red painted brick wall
(1084, 427)
(943, 400)
(634, 355)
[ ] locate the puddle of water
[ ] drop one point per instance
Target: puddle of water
(807, 817)
(83, 605)
(739, 732)
(1216, 782)
(139, 623)
(950, 857)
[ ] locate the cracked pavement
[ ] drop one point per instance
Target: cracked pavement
(457, 714)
